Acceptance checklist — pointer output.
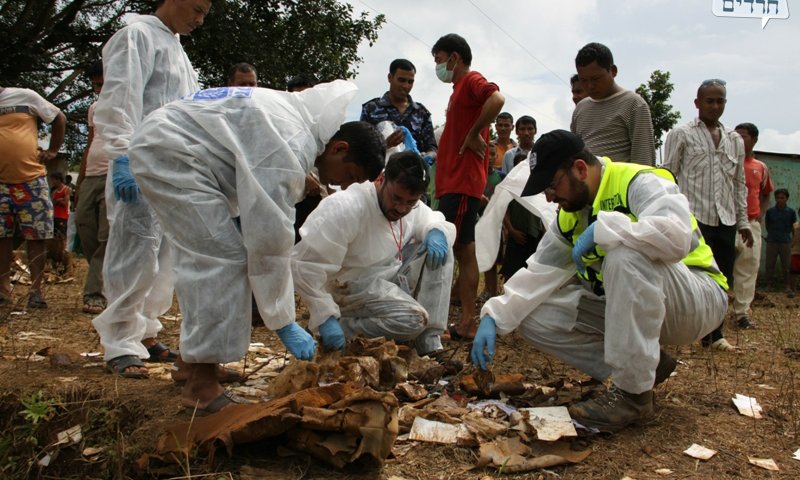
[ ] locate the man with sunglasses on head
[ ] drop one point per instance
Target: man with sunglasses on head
(622, 270)
(708, 161)
(375, 261)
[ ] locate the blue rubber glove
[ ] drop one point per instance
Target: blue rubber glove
(299, 342)
(428, 159)
(583, 245)
(332, 334)
(487, 332)
(436, 243)
(125, 187)
(408, 140)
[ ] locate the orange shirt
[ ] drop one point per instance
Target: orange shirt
(19, 135)
(501, 151)
(756, 177)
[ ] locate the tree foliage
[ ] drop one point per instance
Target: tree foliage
(656, 93)
(47, 45)
(281, 38)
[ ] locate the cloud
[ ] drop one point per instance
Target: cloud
(770, 140)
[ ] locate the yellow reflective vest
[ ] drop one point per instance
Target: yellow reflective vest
(612, 196)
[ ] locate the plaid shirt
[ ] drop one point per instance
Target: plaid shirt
(416, 118)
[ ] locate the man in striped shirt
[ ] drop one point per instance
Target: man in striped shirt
(613, 122)
(708, 162)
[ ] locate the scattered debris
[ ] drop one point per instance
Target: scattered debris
(550, 423)
(663, 471)
(410, 391)
(340, 424)
(510, 455)
(92, 453)
(700, 452)
(765, 463)
(70, 436)
(439, 432)
(796, 455)
(484, 380)
(747, 406)
(507, 384)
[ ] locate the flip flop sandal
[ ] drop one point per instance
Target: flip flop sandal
(157, 350)
(35, 300)
(225, 398)
(229, 376)
(120, 364)
(455, 336)
(93, 305)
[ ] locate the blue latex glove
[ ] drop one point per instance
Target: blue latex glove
(428, 159)
(583, 245)
(408, 140)
(487, 332)
(299, 342)
(436, 243)
(125, 187)
(332, 334)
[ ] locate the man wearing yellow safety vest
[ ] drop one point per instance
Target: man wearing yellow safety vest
(622, 270)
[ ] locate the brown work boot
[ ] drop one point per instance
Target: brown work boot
(666, 365)
(614, 410)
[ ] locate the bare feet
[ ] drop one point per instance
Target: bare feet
(202, 387)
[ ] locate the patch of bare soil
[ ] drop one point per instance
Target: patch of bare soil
(48, 386)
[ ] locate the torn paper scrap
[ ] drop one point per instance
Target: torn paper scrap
(796, 455)
(747, 406)
(699, 451)
(663, 471)
(69, 436)
(765, 463)
(438, 432)
(551, 423)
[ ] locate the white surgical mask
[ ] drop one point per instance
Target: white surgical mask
(443, 73)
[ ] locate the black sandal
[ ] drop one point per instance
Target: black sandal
(157, 350)
(120, 364)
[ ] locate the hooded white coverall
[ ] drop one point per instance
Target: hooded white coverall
(216, 154)
(651, 297)
(347, 266)
(489, 227)
(144, 67)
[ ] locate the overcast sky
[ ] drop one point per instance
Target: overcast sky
(528, 48)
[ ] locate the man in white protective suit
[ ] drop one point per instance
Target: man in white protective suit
(144, 67)
(241, 151)
(375, 261)
(622, 270)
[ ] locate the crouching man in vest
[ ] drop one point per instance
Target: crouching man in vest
(623, 270)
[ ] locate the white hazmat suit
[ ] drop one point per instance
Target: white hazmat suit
(347, 266)
(217, 154)
(144, 67)
(489, 227)
(651, 297)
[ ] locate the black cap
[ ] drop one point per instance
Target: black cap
(550, 152)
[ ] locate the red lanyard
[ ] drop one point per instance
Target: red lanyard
(398, 241)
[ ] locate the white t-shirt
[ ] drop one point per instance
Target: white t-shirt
(96, 160)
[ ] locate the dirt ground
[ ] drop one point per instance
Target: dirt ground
(40, 397)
